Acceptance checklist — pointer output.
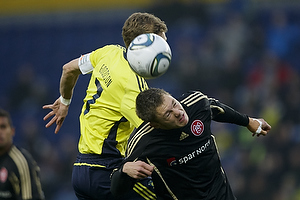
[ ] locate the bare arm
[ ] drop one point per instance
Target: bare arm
(68, 80)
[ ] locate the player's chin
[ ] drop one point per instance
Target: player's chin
(182, 124)
(183, 120)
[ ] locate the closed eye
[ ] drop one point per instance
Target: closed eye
(167, 115)
(174, 104)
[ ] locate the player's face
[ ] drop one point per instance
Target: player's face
(6, 133)
(170, 114)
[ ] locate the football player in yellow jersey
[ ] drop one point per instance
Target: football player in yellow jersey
(108, 113)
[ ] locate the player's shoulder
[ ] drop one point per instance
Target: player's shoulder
(139, 136)
(109, 52)
(141, 131)
(193, 97)
(111, 47)
(21, 154)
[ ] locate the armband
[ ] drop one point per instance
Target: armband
(64, 101)
(85, 64)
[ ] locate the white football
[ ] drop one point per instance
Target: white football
(149, 55)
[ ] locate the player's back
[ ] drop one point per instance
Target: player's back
(108, 114)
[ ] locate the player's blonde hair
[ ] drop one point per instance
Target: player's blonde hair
(140, 23)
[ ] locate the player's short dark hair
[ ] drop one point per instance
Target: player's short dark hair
(4, 113)
(139, 23)
(147, 102)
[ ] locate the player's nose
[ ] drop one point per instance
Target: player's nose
(177, 112)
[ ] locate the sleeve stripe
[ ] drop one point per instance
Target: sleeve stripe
(23, 168)
(221, 110)
(38, 184)
(193, 98)
(144, 191)
(135, 139)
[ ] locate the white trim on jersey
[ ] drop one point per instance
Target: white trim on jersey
(85, 64)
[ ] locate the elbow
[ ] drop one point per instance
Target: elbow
(115, 192)
(121, 183)
(116, 189)
(71, 68)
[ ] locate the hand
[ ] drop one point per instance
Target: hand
(59, 113)
(138, 169)
(258, 127)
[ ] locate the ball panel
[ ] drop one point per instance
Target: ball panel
(142, 41)
(160, 64)
(149, 55)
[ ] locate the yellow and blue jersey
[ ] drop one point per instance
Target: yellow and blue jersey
(108, 113)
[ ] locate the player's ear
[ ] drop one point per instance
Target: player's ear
(13, 131)
(154, 124)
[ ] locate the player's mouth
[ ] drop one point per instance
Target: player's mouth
(182, 118)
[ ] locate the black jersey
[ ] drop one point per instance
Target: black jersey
(19, 176)
(186, 160)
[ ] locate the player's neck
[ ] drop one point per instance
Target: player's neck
(5, 149)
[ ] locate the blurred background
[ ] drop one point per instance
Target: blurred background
(244, 53)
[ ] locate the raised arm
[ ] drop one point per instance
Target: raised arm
(223, 113)
(59, 109)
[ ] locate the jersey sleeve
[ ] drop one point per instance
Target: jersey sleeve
(120, 181)
(36, 187)
(223, 113)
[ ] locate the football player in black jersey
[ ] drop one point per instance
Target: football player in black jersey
(176, 147)
(19, 173)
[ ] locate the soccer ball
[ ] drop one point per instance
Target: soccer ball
(149, 55)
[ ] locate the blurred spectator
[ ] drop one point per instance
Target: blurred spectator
(28, 91)
(281, 34)
(19, 174)
(232, 37)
